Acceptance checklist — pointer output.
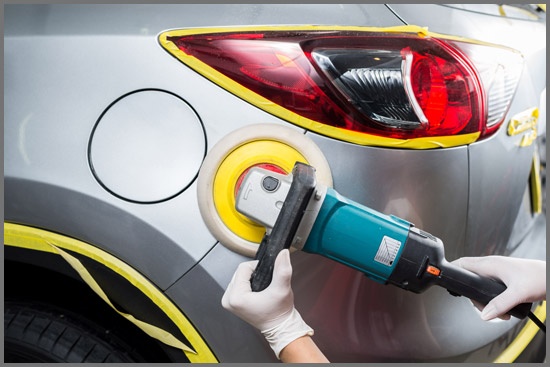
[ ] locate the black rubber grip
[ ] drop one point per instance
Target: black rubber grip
(285, 227)
(459, 281)
(423, 249)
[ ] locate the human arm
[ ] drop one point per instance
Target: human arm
(525, 280)
(272, 311)
(302, 350)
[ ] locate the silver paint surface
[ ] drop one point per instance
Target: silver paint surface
(64, 65)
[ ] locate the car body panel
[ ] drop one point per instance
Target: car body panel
(60, 156)
(151, 19)
(475, 198)
(67, 73)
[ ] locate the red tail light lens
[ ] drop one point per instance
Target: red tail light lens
(384, 86)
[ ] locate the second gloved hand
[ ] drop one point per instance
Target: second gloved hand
(272, 310)
(525, 280)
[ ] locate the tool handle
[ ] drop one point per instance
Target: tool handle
(262, 275)
(459, 281)
(285, 227)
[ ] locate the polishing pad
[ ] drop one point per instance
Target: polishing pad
(272, 147)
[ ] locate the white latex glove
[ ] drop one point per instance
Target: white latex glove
(272, 310)
(525, 280)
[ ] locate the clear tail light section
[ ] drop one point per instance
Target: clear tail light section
(387, 88)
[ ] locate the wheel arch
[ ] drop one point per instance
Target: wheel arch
(127, 291)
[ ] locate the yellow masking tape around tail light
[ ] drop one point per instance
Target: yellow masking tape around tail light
(275, 109)
(524, 337)
(40, 240)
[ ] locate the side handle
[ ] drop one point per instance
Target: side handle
(283, 232)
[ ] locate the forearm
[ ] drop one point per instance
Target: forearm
(302, 350)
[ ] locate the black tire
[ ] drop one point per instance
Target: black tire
(45, 333)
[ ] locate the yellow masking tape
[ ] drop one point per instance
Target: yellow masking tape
(41, 240)
(535, 185)
(523, 121)
(277, 110)
(151, 330)
(414, 29)
(524, 337)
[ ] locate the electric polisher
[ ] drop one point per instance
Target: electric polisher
(298, 212)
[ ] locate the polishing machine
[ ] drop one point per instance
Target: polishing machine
(299, 213)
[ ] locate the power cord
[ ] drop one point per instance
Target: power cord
(537, 322)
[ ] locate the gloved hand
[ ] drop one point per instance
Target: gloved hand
(272, 310)
(525, 280)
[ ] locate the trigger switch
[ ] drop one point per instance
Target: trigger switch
(270, 183)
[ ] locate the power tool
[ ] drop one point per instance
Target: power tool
(297, 212)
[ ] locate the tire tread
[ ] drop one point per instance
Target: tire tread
(55, 335)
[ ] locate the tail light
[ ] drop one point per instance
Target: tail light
(386, 87)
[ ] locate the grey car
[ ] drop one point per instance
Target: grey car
(127, 129)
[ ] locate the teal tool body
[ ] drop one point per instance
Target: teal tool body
(343, 228)
(299, 213)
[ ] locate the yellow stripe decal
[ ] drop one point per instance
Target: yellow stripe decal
(522, 340)
(41, 240)
(283, 113)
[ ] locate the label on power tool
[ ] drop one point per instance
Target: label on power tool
(387, 251)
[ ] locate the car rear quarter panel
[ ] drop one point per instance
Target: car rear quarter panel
(498, 167)
(64, 65)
